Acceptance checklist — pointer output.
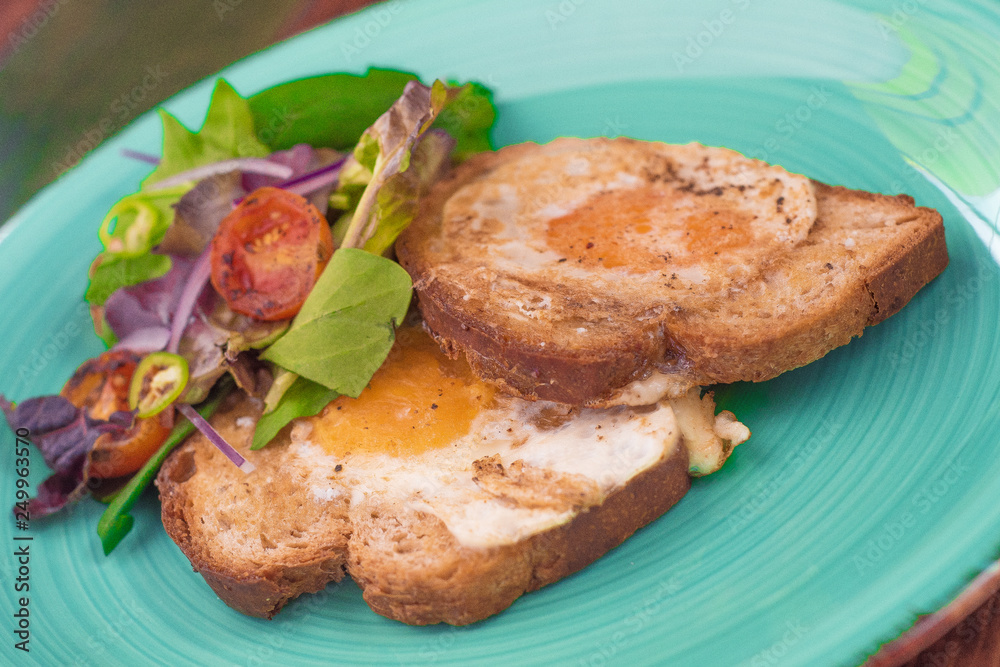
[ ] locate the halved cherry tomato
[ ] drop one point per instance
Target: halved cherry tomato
(101, 384)
(116, 455)
(159, 379)
(268, 253)
(101, 387)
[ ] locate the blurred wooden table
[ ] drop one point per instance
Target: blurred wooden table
(64, 65)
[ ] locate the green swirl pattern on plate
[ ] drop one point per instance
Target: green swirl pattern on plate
(942, 111)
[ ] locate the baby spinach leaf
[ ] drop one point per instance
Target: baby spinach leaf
(330, 110)
(345, 328)
(304, 398)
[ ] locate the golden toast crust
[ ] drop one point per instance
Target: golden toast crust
(864, 257)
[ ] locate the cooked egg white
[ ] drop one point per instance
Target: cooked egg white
(598, 209)
(428, 436)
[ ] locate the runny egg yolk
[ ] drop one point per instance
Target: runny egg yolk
(417, 401)
(644, 228)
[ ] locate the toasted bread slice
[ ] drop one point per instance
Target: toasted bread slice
(445, 514)
(616, 271)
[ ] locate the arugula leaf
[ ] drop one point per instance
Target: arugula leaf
(330, 110)
(228, 132)
(304, 398)
(345, 328)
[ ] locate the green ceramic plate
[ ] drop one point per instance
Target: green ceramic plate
(870, 490)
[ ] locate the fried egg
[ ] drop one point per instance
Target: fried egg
(429, 436)
(629, 207)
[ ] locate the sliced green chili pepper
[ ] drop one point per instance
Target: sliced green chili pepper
(157, 382)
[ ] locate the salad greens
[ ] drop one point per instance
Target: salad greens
(385, 149)
(468, 118)
(401, 136)
(396, 201)
(394, 163)
(228, 133)
(329, 111)
(137, 223)
(65, 435)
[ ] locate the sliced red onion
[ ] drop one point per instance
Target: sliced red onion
(311, 181)
(143, 341)
(299, 158)
(314, 180)
(254, 165)
(141, 157)
(214, 437)
(189, 297)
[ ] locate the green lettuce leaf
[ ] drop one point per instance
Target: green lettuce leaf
(116, 271)
(397, 199)
(468, 117)
(304, 398)
(385, 149)
(346, 326)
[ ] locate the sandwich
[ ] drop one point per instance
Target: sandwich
(637, 269)
(551, 393)
(443, 498)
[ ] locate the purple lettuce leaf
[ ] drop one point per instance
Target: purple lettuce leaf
(213, 341)
(198, 213)
(141, 315)
(65, 435)
(147, 306)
